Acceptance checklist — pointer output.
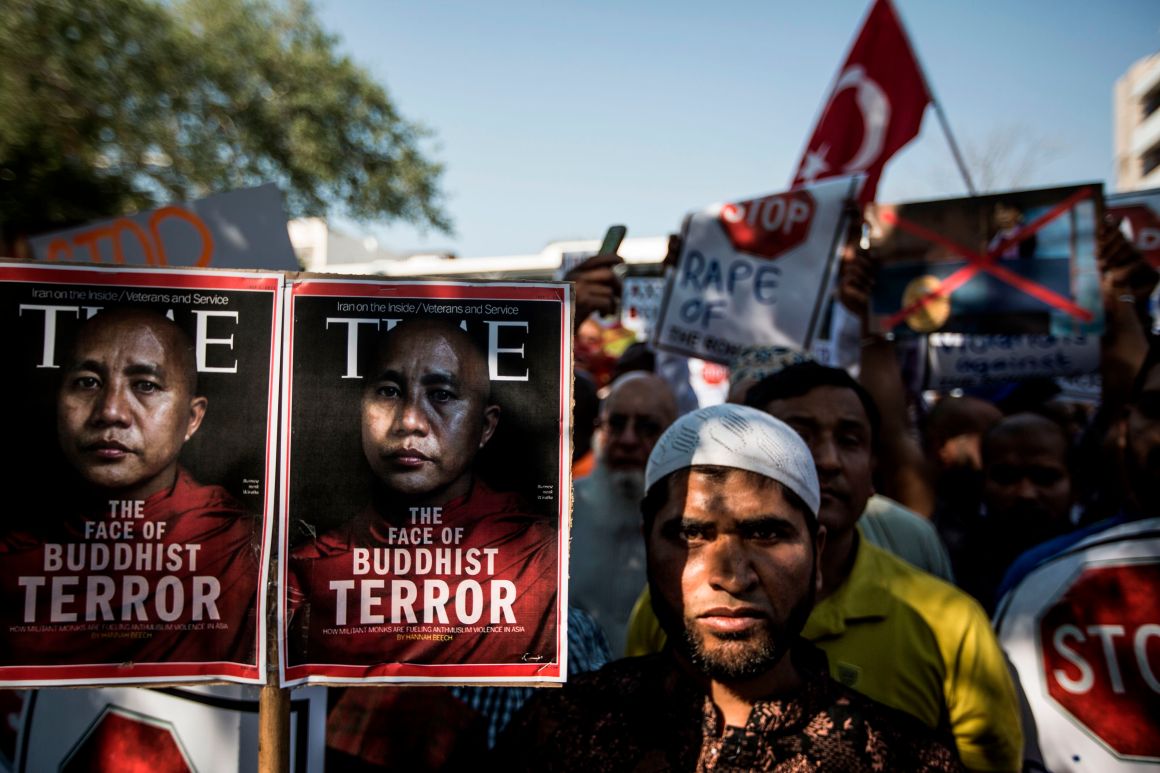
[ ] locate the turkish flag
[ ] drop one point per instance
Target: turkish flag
(875, 108)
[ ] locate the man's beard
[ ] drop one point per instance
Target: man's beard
(751, 654)
(628, 483)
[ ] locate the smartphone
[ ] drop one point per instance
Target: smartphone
(612, 239)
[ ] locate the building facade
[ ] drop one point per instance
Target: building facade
(1136, 105)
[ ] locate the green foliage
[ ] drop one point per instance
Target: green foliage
(115, 105)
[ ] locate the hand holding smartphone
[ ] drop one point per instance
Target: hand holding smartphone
(612, 239)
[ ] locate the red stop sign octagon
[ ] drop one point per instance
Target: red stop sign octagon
(126, 741)
(1101, 656)
(770, 226)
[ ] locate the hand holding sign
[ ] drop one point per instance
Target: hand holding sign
(1123, 270)
(597, 286)
(857, 269)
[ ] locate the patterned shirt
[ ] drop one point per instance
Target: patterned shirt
(650, 714)
(587, 651)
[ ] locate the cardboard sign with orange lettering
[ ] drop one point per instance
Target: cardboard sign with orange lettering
(239, 229)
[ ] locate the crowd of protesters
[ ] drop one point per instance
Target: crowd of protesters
(830, 571)
(807, 577)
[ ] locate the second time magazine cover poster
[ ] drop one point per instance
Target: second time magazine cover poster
(426, 489)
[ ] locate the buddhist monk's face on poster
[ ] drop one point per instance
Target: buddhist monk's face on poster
(127, 405)
(426, 412)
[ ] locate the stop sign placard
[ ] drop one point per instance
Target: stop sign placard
(769, 226)
(1100, 655)
(127, 741)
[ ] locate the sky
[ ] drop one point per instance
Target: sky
(556, 119)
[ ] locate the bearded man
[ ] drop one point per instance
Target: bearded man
(734, 547)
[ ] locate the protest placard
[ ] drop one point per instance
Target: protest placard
(1140, 212)
(211, 728)
(959, 360)
(640, 304)
(239, 229)
(1006, 285)
(426, 488)
(135, 544)
(570, 260)
(1021, 262)
(753, 272)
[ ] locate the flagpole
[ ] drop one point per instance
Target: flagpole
(938, 110)
(942, 119)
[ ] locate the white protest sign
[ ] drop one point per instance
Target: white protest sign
(640, 304)
(1081, 631)
(957, 360)
(753, 273)
(239, 229)
(181, 728)
(709, 380)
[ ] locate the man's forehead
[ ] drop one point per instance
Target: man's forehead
(139, 341)
(834, 404)
(727, 497)
(432, 354)
(430, 344)
(1025, 458)
(713, 481)
(640, 397)
(1026, 440)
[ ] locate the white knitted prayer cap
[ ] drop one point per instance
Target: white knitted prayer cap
(737, 436)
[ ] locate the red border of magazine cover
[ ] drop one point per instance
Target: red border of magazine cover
(234, 459)
(327, 483)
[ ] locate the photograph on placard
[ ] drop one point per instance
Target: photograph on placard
(135, 545)
(426, 486)
(1014, 263)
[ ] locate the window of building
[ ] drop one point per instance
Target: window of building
(1150, 160)
(1150, 103)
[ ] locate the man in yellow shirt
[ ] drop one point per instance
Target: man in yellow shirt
(890, 631)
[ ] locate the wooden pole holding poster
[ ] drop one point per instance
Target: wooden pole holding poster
(274, 701)
(274, 729)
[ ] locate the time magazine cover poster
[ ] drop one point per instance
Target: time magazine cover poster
(134, 545)
(426, 489)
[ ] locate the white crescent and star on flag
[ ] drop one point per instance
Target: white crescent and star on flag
(874, 106)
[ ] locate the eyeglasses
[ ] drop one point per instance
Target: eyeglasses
(645, 427)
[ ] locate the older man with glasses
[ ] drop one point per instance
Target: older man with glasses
(606, 539)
